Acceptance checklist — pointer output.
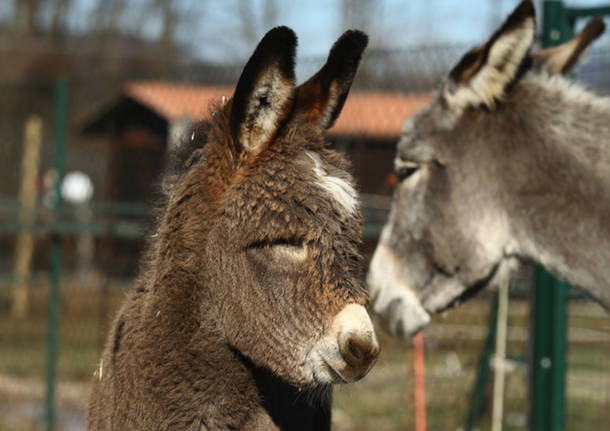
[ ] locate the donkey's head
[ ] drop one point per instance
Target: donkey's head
(448, 232)
(278, 224)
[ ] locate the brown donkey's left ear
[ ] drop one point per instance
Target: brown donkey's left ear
(562, 58)
(264, 94)
(321, 98)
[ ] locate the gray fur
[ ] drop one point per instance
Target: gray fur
(526, 180)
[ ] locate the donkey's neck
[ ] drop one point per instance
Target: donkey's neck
(562, 208)
(587, 269)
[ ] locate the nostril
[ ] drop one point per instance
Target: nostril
(358, 351)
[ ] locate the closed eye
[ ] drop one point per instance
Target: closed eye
(290, 248)
(287, 242)
(276, 242)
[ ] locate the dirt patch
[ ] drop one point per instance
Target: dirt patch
(22, 406)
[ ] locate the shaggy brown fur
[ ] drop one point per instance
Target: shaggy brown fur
(215, 333)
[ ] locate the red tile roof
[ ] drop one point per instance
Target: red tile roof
(379, 114)
(173, 101)
(366, 113)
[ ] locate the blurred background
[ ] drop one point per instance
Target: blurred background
(95, 93)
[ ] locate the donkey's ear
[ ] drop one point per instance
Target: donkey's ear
(483, 74)
(264, 94)
(562, 58)
(321, 98)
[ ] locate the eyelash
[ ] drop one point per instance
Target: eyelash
(405, 172)
(277, 242)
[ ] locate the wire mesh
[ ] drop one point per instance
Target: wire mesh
(101, 242)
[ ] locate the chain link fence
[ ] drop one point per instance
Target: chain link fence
(101, 239)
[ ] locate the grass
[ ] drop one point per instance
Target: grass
(381, 401)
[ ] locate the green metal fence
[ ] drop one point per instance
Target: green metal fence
(549, 304)
(57, 345)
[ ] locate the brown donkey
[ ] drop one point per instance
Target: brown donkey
(510, 162)
(250, 299)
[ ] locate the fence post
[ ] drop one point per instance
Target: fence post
(27, 200)
(499, 361)
(61, 107)
(549, 302)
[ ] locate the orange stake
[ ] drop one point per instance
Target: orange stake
(419, 381)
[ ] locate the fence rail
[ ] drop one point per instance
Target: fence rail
(79, 297)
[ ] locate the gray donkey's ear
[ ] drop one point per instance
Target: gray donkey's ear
(483, 74)
(321, 98)
(562, 58)
(264, 94)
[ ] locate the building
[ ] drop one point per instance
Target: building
(147, 117)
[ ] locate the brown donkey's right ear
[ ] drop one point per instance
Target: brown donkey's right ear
(321, 98)
(562, 58)
(264, 94)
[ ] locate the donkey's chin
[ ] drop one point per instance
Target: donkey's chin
(398, 310)
(443, 293)
(326, 365)
(445, 303)
(449, 292)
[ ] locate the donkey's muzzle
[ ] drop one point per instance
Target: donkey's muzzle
(393, 301)
(348, 350)
(359, 351)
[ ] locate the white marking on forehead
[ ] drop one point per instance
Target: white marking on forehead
(340, 189)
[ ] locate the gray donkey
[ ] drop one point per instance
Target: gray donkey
(250, 299)
(510, 162)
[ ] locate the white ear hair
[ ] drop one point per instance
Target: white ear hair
(264, 93)
(265, 109)
(483, 74)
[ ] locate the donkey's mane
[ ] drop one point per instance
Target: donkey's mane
(582, 102)
(179, 160)
(572, 89)
(188, 151)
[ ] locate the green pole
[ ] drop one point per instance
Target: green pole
(558, 355)
(558, 24)
(61, 105)
(549, 352)
(541, 360)
(549, 305)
